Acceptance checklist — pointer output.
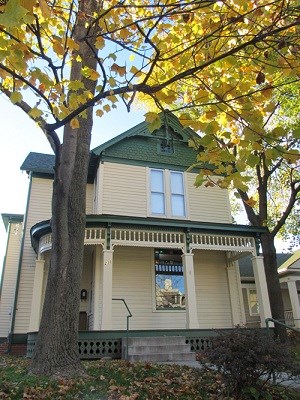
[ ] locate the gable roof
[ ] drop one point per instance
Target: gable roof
(246, 268)
(142, 129)
(39, 163)
(292, 263)
(8, 218)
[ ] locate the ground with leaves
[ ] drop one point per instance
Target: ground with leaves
(116, 380)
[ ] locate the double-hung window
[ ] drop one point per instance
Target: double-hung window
(253, 302)
(167, 196)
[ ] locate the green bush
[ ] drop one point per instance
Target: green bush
(246, 360)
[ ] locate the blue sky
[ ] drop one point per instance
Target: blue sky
(20, 135)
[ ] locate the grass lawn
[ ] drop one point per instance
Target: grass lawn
(117, 380)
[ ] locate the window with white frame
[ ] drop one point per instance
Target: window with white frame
(169, 280)
(253, 302)
(167, 196)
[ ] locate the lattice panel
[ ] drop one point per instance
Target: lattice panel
(90, 348)
(100, 348)
(198, 344)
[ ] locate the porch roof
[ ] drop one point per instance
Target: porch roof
(42, 228)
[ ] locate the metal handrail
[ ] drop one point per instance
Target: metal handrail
(267, 320)
(127, 324)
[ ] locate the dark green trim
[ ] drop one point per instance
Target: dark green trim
(19, 338)
(11, 218)
(43, 227)
(149, 164)
(13, 317)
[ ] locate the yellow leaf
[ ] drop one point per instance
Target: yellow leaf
(106, 108)
(250, 202)
(74, 123)
(99, 113)
(100, 43)
(15, 97)
(135, 71)
(151, 117)
(46, 12)
(72, 44)
(58, 48)
(35, 113)
(28, 4)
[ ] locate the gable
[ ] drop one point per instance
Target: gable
(166, 146)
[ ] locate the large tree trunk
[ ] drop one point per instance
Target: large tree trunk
(274, 290)
(56, 350)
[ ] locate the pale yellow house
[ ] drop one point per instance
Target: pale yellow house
(149, 233)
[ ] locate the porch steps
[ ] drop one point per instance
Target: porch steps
(158, 349)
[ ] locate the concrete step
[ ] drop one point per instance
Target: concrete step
(149, 349)
(158, 349)
(163, 357)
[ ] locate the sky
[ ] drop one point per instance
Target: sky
(20, 136)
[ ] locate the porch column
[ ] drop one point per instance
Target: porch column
(96, 294)
(36, 302)
(294, 302)
(235, 293)
(107, 275)
(190, 291)
(261, 289)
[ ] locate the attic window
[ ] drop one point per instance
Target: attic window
(165, 147)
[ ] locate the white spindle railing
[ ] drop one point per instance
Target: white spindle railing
(221, 242)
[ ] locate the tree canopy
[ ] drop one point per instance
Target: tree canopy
(63, 62)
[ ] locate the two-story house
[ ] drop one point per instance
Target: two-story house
(153, 243)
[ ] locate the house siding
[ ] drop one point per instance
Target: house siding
(212, 293)
(10, 277)
(125, 192)
(133, 280)
(207, 204)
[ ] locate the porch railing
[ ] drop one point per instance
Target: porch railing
(129, 315)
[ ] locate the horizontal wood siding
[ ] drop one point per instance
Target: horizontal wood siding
(207, 204)
(133, 280)
(90, 198)
(10, 277)
(212, 293)
(124, 190)
(39, 209)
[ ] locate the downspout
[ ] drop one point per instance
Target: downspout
(13, 317)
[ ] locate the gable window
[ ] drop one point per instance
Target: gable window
(167, 196)
(169, 280)
(165, 147)
(253, 302)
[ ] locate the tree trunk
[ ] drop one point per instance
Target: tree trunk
(56, 350)
(274, 290)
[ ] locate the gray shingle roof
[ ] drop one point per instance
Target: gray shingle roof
(245, 264)
(38, 162)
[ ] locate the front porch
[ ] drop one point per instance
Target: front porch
(121, 262)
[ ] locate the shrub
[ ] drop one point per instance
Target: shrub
(246, 360)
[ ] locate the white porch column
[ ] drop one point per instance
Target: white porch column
(36, 302)
(235, 293)
(96, 287)
(107, 275)
(295, 302)
(261, 289)
(190, 291)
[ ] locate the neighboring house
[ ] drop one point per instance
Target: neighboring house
(154, 240)
(289, 277)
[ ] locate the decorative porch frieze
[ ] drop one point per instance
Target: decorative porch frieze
(146, 238)
(92, 236)
(222, 242)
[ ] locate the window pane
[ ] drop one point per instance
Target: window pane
(157, 203)
(169, 280)
(157, 181)
(176, 183)
(178, 207)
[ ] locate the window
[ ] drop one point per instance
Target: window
(169, 280)
(157, 192)
(253, 302)
(167, 193)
